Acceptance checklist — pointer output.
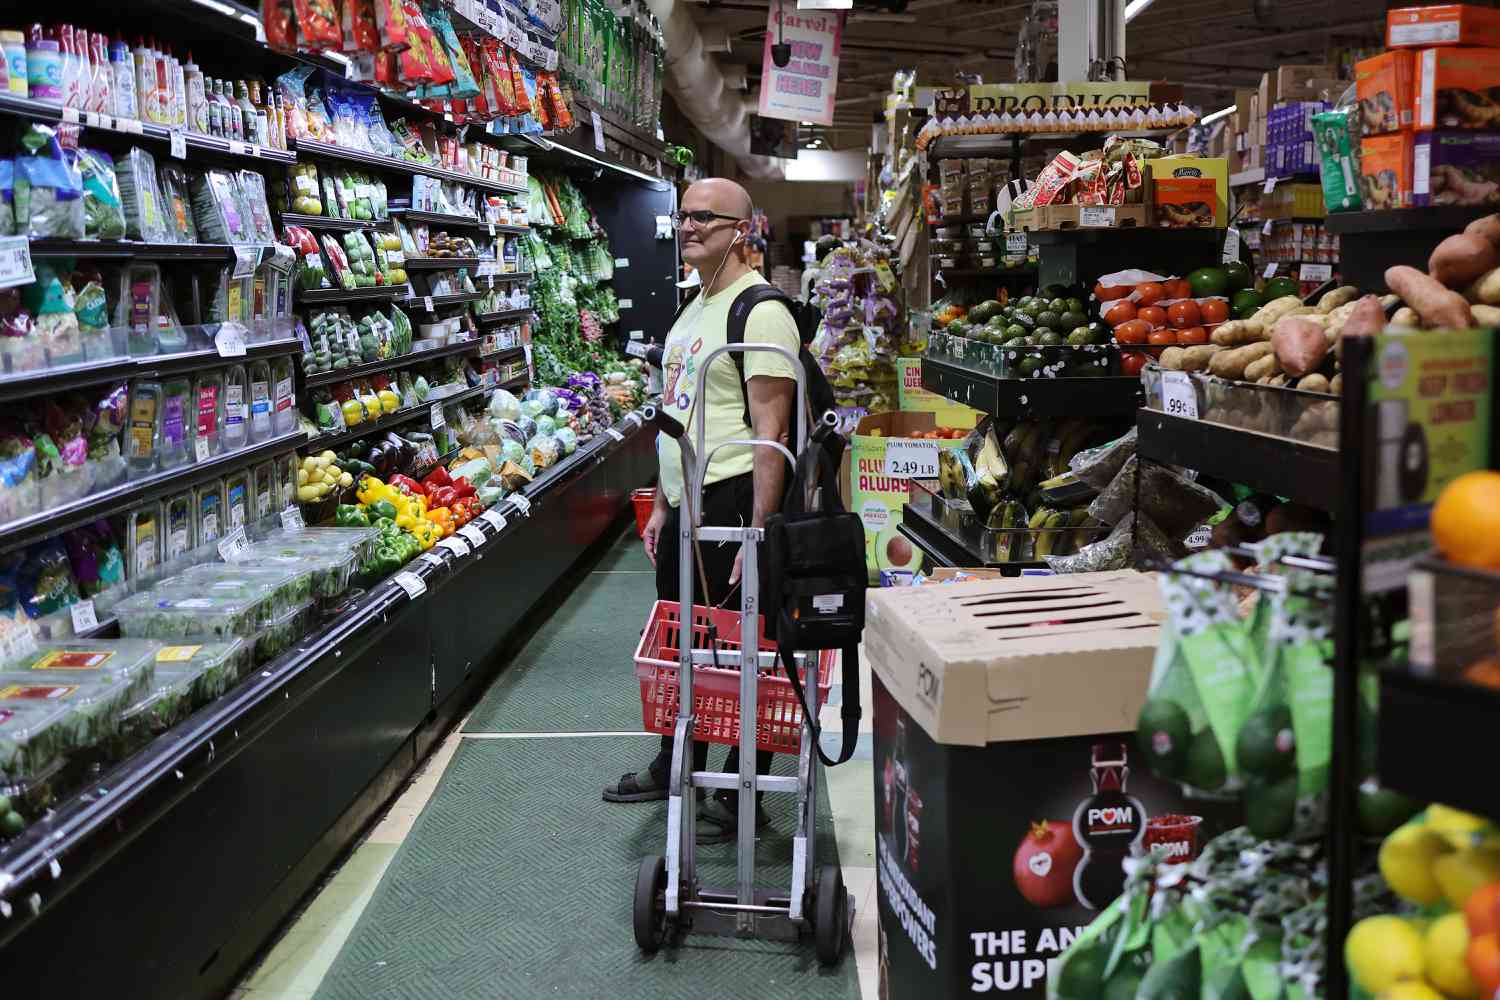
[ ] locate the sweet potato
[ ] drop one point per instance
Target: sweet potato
(1263, 368)
(1462, 258)
(1487, 227)
(1231, 364)
(1485, 289)
(1336, 297)
(1366, 319)
(1438, 307)
(1299, 344)
(1406, 316)
(1486, 315)
(1196, 359)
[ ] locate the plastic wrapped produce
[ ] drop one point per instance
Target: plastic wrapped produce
(145, 426)
(237, 499)
(139, 307)
(55, 322)
(260, 424)
(217, 211)
(177, 513)
(544, 451)
(1098, 466)
(1176, 504)
(568, 439)
(103, 212)
(208, 508)
(504, 406)
(174, 437)
(1110, 552)
(208, 414)
(95, 558)
(48, 188)
(169, 617)
(143, 540)
(252, 187)
(328, 569)
(140, 194)
(282, 586)
(278, 636)
(177, 202)
(34, 735)
(236, 428)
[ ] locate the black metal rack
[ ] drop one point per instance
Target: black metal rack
(133, 250)
(27, 385)
(505, 314)
(325, 222)
(459, 221)
(337, 439)
(1296, 470)
(439, 301)
(439, 263)
(327, 151)
(1031, 397)
(1370, 242)
(336, 296)
(391, 364)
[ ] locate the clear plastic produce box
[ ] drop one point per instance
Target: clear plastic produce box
(278, 636)
(187, 677)
(329, 570)
(1308, 417)
(172, 614)
(34, 735)
(93, 700)
(360, 541)
(289, 585)
(127, 658)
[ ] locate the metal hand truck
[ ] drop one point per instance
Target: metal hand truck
(669, 898)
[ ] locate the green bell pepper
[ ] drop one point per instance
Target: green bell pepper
(350, 516)
(388, 559)
(387, 526)
(383, 508)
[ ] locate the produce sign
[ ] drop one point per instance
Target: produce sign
(1028, 97)
(803, 89)
(877, 494)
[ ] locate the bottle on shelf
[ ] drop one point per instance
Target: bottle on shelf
(101, 75)
(247, 112)
(197, 106)
(262, 119)
(179, 94)
(122, 68)
(145, 80)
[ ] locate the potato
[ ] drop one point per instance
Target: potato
(1171, 359)
(1487, 227)
(1438, 307)
(1389, 302)
(1262, 368)
(1196, 359)
(1299, 345)
(1231, 364)
(1486, 288)
(1462, 258)
(1336, 385)
(1336, 297)
(1268, 314)
(1406, 316)
(1278, 380)
(1236, 331)
(1313, 383)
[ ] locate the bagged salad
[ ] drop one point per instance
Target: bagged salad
(103, 210)
(48, 188)
(140, 194)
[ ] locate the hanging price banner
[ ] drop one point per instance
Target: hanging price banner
(907, 459)
(1178, 397)
(410, 582)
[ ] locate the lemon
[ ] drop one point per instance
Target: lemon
(1462, 829)
(1446, 945)
(1410, 991)
(1460, 873)
(1382, 951)
(1406, 862)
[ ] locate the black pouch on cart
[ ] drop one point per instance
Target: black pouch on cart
(813, 588)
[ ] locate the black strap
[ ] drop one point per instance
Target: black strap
(739, 316)
(816, 461)
(849, 714)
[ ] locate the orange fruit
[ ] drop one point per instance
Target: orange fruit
(1482, 910)
(1148, 292)
(1466, 520)
(1178, 288)
(1119, 312)
(1214, 310)
(1484, 962)
(1108, 293)
(1155, 315)
(1184, 314)
(1134, 332)
(1192, 336)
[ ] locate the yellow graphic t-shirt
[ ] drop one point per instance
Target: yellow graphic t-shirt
(699, 331)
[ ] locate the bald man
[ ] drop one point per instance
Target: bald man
(742, 484)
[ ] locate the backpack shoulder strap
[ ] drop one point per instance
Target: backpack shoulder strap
(687, 300)
(739, 316)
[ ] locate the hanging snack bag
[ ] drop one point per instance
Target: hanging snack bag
(103, 214)
(463, 84)
(318, 24)
(279, 19)
(178, 202)
(361, 32)
(48, 192)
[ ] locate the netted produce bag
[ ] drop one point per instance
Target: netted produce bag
(1175, 503)
(1099, 465)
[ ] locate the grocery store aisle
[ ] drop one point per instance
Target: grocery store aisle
(498, 872)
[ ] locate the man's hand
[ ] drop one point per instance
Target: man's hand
(739, 566)
(653, 532)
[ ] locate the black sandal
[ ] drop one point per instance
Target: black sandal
(636, 787)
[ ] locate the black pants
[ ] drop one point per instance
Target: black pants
(725, 503)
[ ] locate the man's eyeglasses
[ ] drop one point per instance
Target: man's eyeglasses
(702, 217)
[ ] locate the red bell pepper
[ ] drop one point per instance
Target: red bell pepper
(408, 485)
(462, 487)
(442, 496)
(437, 477)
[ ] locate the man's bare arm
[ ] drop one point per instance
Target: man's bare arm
(771, 401)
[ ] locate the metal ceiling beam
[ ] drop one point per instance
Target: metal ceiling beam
(1271, 38)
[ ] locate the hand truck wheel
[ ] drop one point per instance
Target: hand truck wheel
(830, 915)
(650, 916)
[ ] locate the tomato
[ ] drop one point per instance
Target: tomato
(1119, 312)
(1131, 362)
(1184, 314)
(1134, 332)
(1162, 337)
(1178, 288)
(1148, 292)
(1192, 335)
(1108, 293)
(1214, 310)
(1155, 315)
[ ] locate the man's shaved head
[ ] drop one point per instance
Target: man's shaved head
(707, 244)
(722, 195)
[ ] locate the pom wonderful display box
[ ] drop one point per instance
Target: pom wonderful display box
(1008, 787)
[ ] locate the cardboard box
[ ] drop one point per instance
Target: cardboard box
(1050, 217)
(1383, 85)
(1452, 88)
(1296, 82)
(1457, 167)
(1244, 108)
(1293, 201)
(1444, 24)
(1386, 170)
(1189, 191)
(1329, 90)
(1064, 674)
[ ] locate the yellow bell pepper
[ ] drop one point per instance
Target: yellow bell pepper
(427, 533)
(407, 521)
(443, 518)
(369, 490)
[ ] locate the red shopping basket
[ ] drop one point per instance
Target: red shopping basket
(644, 500)
(716, 692)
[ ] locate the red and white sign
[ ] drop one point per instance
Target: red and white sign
(803, 89)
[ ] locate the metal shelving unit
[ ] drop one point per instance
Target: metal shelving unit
(328, 151)
(324, 222)
(391, 364)
(1031, 397)
(439, 301)
(498, 317)
(134, 250)
(459, 221)
(30, 384)
(337, 439)
(439, 263)
(335, 296)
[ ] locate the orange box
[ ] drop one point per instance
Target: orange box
(1453, 88)
(1445, 24)
(1384, 85)
(1386, 170)
(1189, 192)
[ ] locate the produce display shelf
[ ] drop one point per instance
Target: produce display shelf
(515, 383)
(952, 147)
(391, 364)
(328, 151)
(967, 218)
(505, 314)
(1444, 218)
(24, 385)
(512, 276)
(1255, 175)
(61, 517)
(1372, 242)
(1031, 397)
(1026, 273)
(439, 263)
(131, 250)
(333, 296)
(140, 131)
(337, 439)
(947, 549)
(504, 353)
(1426, 724)
(464, 221)
(439, 301)
(1295, 470)
(325, 222)
(1100, 234)
(574, 151)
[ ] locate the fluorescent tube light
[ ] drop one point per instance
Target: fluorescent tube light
(1222, 112)
(1135, 7)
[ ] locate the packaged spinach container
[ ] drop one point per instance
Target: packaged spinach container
(260, 401)
(95, 679)
(187, 678)
(329, 570)
(208, 413)
(236, 428)
(145, 426)
(143, 539)
(103, 212)
(173, 447)
(169, 614)
(237, 500)
(178, 538)
(33, 737)
(360, 541)
(48, 194)
(208, 510)
(282, 586)
(278, 636)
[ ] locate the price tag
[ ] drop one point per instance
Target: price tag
(521, 503)
(626, 303)
(1231, 244)
(410, 582)
(427, 302)
(245, 259)
(598, 130)
(635, 349)
(200, 449)
(430, 558)
(84, 617)
(71, 116)
(455, 545)
(1316, 272)
(615, 434)
(1270, 185)
(15, 262)
(254, 150)
(1200, 537)
(232, 547)
(291, 519)
(179, 144)
(1270, 271)
(230, 340)
(1178, 397)
(1266, 229)
(622, 262)
(236, 147)
(492, 229)
(634, 417)
(1015, 242)
(107, 121)
(1096, 217)
(436, 418)
(133, 126)
(907, 459)
(495, 519)
(473, 533)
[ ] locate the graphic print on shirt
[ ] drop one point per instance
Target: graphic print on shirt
(673, 371)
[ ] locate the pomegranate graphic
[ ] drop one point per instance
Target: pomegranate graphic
(1044, 863)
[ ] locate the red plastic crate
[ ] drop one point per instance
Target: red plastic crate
(716, 693)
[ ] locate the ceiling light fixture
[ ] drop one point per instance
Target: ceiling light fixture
(1135, 7)
(1222, 112)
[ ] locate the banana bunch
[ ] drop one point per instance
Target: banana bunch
(992, 476)
(1007, 539)
(1072, 436)
(951, 478)
(1059, 532)
(1026, 447)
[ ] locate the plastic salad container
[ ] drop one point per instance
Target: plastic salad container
(330, 570)
(360, 541)
(94, 680)
(187, 678)
(285, 586)
(33, 736)
(172, 613)
(277, 636)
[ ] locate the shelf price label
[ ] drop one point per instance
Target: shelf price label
(1178, 397)
(291, 519)
(17, 642)
(427, 302)
(436, 418)
(908, 459)
(473, 533)
(622, 262)
(200, 448)
(494, 519)
(410, 582)
(233, 546)
(1270, 271)
(1270, 185)
(230, 340)
(455, 545)
(179, 144)
(1316, 272)
(521, 503)
(84, 616)
(15, 262)
(1015, 242)
(615, 434)
(598, 130)
(1200, 537)
(1231, 244)
(238, 148)
(1094, 216)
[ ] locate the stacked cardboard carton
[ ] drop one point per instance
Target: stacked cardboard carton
(1272, 123)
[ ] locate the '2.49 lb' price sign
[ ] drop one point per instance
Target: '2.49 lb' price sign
(907, 459)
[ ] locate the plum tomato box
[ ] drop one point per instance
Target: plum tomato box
(1008, 787)
(877, 497)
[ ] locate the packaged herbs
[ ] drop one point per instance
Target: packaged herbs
(265, 490)
(289, 467)
(278, 636)
(237, 499)
(259, 227)
(178, 513)
(177, 203)
(48, 194)
(283, 587)
(140, 306)
(217, 209)
(33, 735)
(103, 210)
(260, 401)
(143, 540)
(177, 416)
(208, 512)
(236, 428)
(141, 197)
(208, 414)
(144, 429)
(172, 614)
(95, 558)
(284, 399)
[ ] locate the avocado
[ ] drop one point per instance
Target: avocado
(1025, 319)
(1208, 281)
(982, 312)
(1270, 806)
(1017, 341)
(1178, 978)
(1099, 333)
(1238, 273)
(1030, 366)
(1049, 338)
(1205, 762)
(1076, 305)
(1051, 319)
(1382, 810)
(1266, 746)
(1247, 298)
(1280, 287)
(1058, 305)
(1163, 732)
(955, 328)
(1079, 337)
(1081, 971)
(1072, 318)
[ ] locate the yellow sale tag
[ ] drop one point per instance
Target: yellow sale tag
(176, 654)
(884, 275)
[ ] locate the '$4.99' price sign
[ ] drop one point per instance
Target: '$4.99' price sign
(908, 459)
